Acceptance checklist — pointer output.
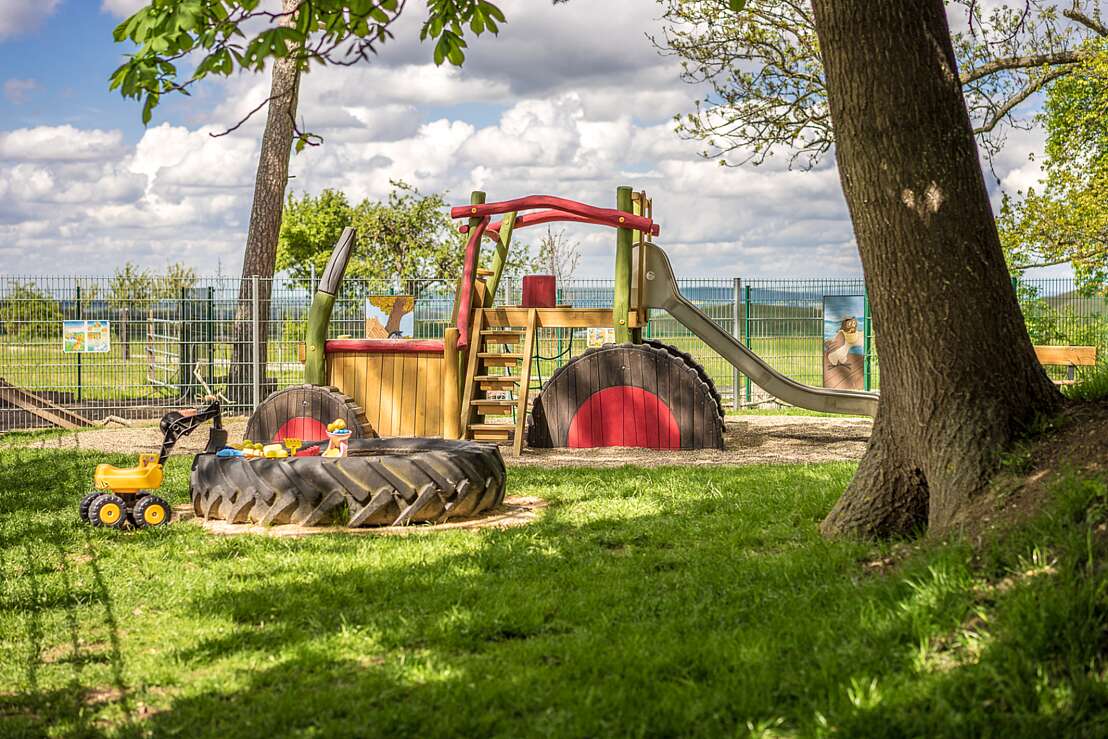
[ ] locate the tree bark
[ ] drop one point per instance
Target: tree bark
(265, 217)
(959, 378)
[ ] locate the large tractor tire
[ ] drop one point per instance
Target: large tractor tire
(303, 412)
(691, 362)
(635, 395)
(382, 482)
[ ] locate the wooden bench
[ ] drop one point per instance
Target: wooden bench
(1070, 357)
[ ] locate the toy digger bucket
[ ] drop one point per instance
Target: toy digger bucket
(217, 439)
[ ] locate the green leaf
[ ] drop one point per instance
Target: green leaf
(736, 5)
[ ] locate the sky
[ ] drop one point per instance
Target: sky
(556, 104)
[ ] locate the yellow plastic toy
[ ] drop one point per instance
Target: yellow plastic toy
(337, 437)
(274, 451)
(125, 493)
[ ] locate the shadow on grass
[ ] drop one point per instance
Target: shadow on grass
(656, 602)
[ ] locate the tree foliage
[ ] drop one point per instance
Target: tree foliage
(27, 312)
(766, 89)
(181, 42)
(409, 237)
(558, 255)
(1066, 219)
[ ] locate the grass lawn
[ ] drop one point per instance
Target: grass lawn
(644, 602)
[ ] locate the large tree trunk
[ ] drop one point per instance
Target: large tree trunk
(265, 218)
(959, 379)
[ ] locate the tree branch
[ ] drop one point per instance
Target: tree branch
(1030, 89)
(1091, 23)
(1022, 62)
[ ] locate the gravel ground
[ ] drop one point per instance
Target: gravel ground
(750, 440)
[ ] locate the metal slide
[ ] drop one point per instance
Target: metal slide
(660, 291)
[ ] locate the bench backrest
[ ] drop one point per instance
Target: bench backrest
(1080, 356)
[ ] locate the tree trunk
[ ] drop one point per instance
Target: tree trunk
(265, 218)
(959, 378)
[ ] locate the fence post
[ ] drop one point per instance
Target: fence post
(746, 310)
(736, 332)
(211, 334)
(256, 349)
(866, 340)
(79, 353)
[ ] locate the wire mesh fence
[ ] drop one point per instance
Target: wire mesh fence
(98, 347)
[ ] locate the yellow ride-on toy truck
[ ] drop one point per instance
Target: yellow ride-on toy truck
(126, 493)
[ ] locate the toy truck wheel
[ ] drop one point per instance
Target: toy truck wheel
(86, 502)
(151, 511)
(108, 510)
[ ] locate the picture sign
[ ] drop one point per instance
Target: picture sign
(844, 342)
(86, 337)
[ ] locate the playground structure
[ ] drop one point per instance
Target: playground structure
(474, 383)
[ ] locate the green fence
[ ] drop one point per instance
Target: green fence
(163, 340)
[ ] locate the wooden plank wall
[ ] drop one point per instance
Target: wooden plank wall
(401, 393)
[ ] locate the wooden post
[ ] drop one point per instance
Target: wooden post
(504, 240)
(451, 386)
(621, 298)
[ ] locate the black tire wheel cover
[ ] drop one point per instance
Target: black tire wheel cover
(382, 482)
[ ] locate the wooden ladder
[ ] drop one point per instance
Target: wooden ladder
(483, 375)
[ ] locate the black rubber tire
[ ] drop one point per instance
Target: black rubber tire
(688, 396)
(138, 512)
(691, 361)
(85, 503)
(324, 404)
(100, 504)
(383, 482)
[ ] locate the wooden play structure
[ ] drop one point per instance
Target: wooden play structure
(474, 382)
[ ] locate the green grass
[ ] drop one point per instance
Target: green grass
(1091, 386)
(662, 602)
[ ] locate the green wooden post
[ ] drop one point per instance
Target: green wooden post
(746, 331)
(866, 340)
(621, 299)
(501, 256)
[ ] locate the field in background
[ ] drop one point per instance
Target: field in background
(170, 338)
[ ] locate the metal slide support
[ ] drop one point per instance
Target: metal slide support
(661, 292)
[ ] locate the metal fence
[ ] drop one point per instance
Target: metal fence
(167, 341)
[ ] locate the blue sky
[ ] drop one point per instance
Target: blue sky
(556, 104)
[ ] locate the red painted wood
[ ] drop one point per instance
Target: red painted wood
(539, 291)
(609, 418)
(551, 216)
(384, 346)
(609, 216)
(301, 427)
(473, 248)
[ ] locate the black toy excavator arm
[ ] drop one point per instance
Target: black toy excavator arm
(177, 424)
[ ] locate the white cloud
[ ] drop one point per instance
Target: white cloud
(23, 16)
(59, 143)
(121, 8)
(558, 104)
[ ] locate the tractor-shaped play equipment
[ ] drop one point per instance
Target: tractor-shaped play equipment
(425, 416)
(474, 382)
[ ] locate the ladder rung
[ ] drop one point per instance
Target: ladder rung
(492, 359)
(491, 431)
(505, 379)
(486, 408)
(501, 337)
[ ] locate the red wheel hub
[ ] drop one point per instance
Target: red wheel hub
(624, 416)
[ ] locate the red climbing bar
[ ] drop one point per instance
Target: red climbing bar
(465, 302)
(550, 216)
(587, 213)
